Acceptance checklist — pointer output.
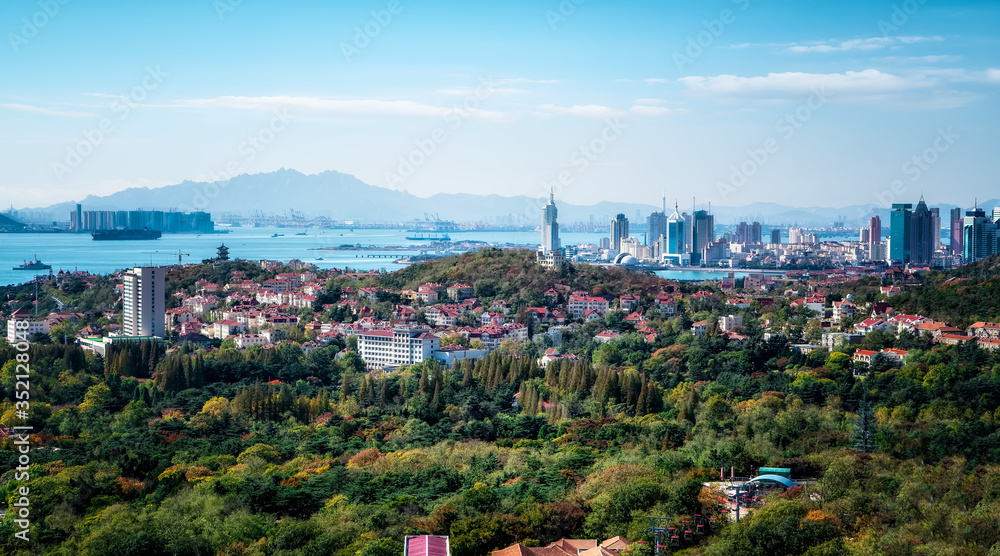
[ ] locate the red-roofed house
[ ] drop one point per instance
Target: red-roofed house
(225, 328)
(985, 330)
(666, 304)
(606, 336)
(868, 325)
(628, 302)
(579, 305)
(458, 292)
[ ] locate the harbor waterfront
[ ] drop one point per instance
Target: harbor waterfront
(69, 251)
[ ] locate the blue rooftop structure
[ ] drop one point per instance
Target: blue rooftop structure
(784, 481)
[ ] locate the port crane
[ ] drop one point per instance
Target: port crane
(180, 255)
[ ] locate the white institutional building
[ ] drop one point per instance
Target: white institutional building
(143, 302)
(550, 253)
(403, 345)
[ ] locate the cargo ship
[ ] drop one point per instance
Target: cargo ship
(428, 236)
(144, 233)
(33, 265)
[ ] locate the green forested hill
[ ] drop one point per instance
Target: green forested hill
(960, 297)
(292, 453)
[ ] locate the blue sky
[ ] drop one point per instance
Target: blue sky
(816, 103)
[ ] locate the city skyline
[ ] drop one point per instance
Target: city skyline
(684, 96)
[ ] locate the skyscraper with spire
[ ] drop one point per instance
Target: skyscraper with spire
(550, 228)
(550, 252)
(675, 240)
(922, 238)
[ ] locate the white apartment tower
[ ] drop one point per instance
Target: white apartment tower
(143, 302)
(550, 228)
(550, 253)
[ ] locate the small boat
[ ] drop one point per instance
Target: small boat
(33, 265)
(278, 235)
(319, 258)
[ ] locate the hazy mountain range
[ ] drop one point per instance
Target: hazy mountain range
(344, 197)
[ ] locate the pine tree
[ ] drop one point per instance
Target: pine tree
(864, 427)
(466, 374)
(424, 381)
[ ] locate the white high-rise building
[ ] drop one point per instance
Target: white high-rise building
(550, 228)
(143, 302)
(550, 253)
(619, 231)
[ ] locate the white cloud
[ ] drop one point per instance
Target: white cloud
(360, 107)
(459, 91)
(921, 59)
(586, 111)
(991, 75)
(873, 43)
(644, 110)
(47, 111)
(508, 81)
(772, 85)
(598, 111)
(927, 88)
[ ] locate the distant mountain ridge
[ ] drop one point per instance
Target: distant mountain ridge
(344, 197)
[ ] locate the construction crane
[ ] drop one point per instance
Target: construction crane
(180, 255)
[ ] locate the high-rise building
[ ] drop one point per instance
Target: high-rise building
(875, 229)
(675, 234)
(900, 234)
(550, 253)
(550, 227)
(921, 234)
(996, 214)
(76, 219)
(619, 231)
(957, 232)
(143, 301)
(702, 233)
(657, 227)
(794, 235)
(980, 239)
(776, 236)
(742, 233)
(863, 236)
(755, 233)
(935, 229)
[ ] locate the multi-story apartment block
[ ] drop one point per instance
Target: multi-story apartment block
(579, 305)
(143, 307)
(403, 345)
(21, 327)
